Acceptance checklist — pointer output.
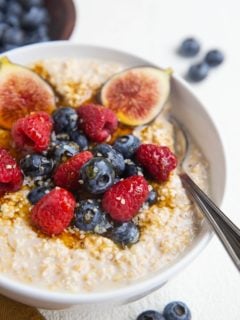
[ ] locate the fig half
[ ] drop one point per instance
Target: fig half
(21, 92)
(136, 95)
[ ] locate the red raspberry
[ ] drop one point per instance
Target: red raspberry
(54, 212)
(32, 133)
(67, 174)
(158, 161)
(11, 177)
(123, 200)
(97, 121)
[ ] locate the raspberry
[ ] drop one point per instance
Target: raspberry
(54, 212)
(67, 174)
(97, 122)
(158, 161)
(123, 200)
(11, 177)
(32, 133)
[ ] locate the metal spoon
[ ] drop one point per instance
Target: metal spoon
(226, 230)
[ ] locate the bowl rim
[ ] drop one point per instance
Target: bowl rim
(142, 285)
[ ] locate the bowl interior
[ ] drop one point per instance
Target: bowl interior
(63, 18)
(190, 112)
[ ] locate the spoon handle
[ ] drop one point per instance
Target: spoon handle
(227, 231)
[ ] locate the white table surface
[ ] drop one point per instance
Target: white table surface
(153, 29)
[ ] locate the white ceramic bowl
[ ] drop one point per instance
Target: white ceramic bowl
(193, 115)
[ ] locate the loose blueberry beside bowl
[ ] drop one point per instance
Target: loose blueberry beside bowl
(198, 72)
(177, 310)
(189, 47)
(214, 58)
(151, 315)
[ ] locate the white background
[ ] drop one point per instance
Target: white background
(153, 30)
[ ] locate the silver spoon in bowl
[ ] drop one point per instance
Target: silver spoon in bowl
(225, 229)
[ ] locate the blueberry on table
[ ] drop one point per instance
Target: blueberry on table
(151, 315)
(14, 8)
(90, 217)
(198, 72)
(214, 58)
(32, 3)
(125, 234)
(98, 175)
(113, 156)
(189, 47)
(127, 145)
(65, 119)
(80, 139)
(13, 35)
(177, 310)
(36, 194)
(35, 17)
(36, 165)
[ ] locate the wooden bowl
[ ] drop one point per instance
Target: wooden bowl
(63, 18)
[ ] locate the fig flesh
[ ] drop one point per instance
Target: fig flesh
(136, 95)
(21, 92)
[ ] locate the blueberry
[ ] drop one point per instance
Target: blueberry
(214, 58)
(35, 17)
(189, 47)
(98, 175)
(59, 150)
(36, 194)
(61, 137)
(14, 8)
(13, 21)
(198, 72)
(80, 139)
(131, 169)
(65, 119)
(42, 33)
(3, 4)
(10, 46)
(32, 3)
(177, 310)
(3, 27)
(36, 165)
(151, 315)
(14, 36)
(90, 217)
(125, 234)
(113, 156)
(127, 145)
(152, 197)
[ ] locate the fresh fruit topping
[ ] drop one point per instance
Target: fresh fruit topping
(54, 212)
(65, 119)
(22, 92)
(62, 150)
(189, 47)
(36, 194)
(158, 161)
(114, 157)
(127, 145)
(80, 139)
(125, 234)
(97, 175)
(90, 217)
(131, 169)
(136, 95)
(152, 197)
(198, 72)
(124, 199)
(97, 122)
(151, 315)
(11, 177)
(177, 311)
(214, 58)
(33, 132)
(67, 175)
(36, 165)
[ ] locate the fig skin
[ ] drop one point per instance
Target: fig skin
(136, 95)
(21, 92)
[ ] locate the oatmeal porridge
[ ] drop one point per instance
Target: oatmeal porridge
(81, 259)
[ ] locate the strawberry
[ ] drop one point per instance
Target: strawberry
(54, 212)
(124, 199)
(67, 174)
(32, 133)
(97, 122)
(156, 160)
